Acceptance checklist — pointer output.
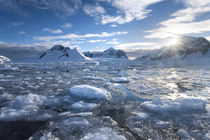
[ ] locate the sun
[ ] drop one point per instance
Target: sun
(173, 41)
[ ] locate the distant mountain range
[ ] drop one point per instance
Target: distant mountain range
(185, 46)
(109, 53)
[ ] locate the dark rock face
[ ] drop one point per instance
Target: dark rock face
(19, 130)
(187, 45)
(58, 48)
(111, 52)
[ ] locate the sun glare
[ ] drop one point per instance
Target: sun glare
(173, 41)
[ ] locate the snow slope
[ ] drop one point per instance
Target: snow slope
(4, 59)
(59, 53)
(187, 48)
(109, 53)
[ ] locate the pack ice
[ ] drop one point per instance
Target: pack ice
(90, 92)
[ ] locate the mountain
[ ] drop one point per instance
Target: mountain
(59, 53)
(4, 59)
(109, 53)
(185, 47)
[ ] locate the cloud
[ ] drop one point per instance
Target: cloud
(21, 32)
(114, 41)
(66, 25)
(183, 21)
(56, 31)
(60, 7)
(16, 24)
(127, 11)
(113, 25)
(95, 41)
(93, 10)
(137, 45)
(77, 36)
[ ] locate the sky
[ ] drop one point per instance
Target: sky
(100, 24)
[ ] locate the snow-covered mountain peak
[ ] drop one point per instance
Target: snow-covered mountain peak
(58, 48)
(4, 59)
(185, 45)
(109, 53)
(61, 54)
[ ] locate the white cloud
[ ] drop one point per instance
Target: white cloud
(77, 36)
(16, 24)
(93, 10)
(21, 32)
(183, 21)
(113, 25)
(56, 31)
(136, 45)
(128, 11)
(45, 44)
(66, 25)
(114, 41)
(95, 41)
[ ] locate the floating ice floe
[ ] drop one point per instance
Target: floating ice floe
(92, 78)
(184, 104)
(120, 80)
(72, 124)
(83, 106)
(23, 106)
(183, 134)
(49, 136)
(90, 92)
(141, 116)
(103, 134)
(76, 122)
(162, 124)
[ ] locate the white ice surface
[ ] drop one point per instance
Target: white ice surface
(183, 134)
(120, 80)
(90, 92)
(103, 134)
(186, 104)
(23, 106)
(162, 124)
(75, 122)
(141, 116)
(83, 106)
(92, 78)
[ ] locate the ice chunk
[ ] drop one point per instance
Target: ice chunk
(92, 78)
(73, 124)
(103, 134)
(207, 136)
(183, 134)
(162, 124)
(185, 104)
(25, 101)
(83, 106)
(76, 122)
(141, 116)
(49, 136)
(90, 92)
(22, 106)
(120, 80)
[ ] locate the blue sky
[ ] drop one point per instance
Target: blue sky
(100, 24)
